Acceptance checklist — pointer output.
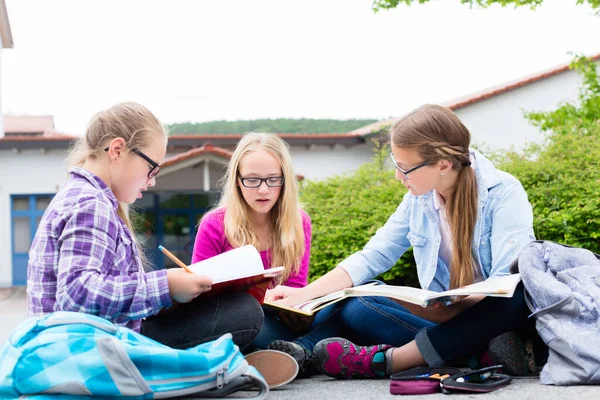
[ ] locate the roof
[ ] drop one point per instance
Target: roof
(230, 140)
(199, 151)
(5, 32)
(206, 149)
(479, 96)
(49, 140)
(511, 85)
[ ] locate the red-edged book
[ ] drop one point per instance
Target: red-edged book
(238, 270)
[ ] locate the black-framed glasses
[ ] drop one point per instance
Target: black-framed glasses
(253, 183)
(155, 166)
(407, 171)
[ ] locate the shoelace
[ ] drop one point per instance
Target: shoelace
(354, 362)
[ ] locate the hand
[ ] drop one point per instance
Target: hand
(279, 292)
(184, 287)
(288, 296)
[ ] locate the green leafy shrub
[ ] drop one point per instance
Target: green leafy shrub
(347, 210)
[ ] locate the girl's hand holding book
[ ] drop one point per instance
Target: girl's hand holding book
(184, 287)
(288, 296)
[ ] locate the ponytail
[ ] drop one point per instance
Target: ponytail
(462, 216)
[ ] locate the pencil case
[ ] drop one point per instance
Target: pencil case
(481, 381)
(419, 380)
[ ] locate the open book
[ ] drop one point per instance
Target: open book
(498, 287)
(238, 270)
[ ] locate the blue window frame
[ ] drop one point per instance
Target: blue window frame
(171, 219)
(26, 213)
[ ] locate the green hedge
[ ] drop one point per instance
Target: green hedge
(347, 210)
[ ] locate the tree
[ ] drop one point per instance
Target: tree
(279, 125)
(388, 4)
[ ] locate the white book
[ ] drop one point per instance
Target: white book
(504, 286)
(240, 269)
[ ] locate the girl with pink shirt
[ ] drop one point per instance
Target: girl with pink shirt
(260, 206)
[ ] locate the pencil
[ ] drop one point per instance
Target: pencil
(177, 260)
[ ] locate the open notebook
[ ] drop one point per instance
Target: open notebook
(499, 287)
(238, 270)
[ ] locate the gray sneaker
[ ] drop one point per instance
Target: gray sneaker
(508, 349)
(302, 356)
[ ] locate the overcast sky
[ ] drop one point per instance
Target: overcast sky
(203, 60)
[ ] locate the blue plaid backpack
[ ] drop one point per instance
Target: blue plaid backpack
(79, 354)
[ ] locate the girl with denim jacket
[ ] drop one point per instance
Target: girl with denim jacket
(466, 222)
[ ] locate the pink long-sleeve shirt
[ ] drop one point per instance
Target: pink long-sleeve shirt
(211, 241)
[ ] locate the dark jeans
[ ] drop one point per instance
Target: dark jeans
(206, 318)
(379, 320)
(470, 332)
(276, 329)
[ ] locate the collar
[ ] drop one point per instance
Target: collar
(96, 182)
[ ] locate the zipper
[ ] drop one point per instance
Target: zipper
(221, 377)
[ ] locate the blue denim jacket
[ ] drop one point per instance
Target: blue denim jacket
(504, 226)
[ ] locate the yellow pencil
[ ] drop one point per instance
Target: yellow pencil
(172, 257)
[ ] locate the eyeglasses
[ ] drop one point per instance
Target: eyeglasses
(253, 183)
(155, 167)
(407, 171)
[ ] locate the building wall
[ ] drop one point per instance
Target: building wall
(190, 178)
(24, 173)
(499, 123)
(318, 162)
(1, 113)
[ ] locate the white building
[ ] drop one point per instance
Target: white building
(32, 164)
(495, 116)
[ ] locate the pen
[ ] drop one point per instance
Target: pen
(475, 378)
(172, 257)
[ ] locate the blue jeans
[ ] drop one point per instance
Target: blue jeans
(379, 320)
(275, 329)
(367, 321)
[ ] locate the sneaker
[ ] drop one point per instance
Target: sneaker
(278, 368)
(300, 354)
(508, 349)
(340, 358)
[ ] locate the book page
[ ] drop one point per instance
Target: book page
(503, 286)
(314, 303)
(406, 293)
(323, 301)
(237, 263)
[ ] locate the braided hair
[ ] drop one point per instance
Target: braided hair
(438, 134)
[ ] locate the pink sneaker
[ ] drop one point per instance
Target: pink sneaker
(340, 358)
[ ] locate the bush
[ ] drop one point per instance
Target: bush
(347, 210)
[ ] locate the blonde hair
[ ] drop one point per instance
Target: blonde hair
(438, 134)
(130, 121)
(287, 240)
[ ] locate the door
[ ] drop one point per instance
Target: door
(26, 213)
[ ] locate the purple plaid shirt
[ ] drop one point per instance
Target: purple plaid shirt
(83, 259)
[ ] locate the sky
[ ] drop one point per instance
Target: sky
(204, 60)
